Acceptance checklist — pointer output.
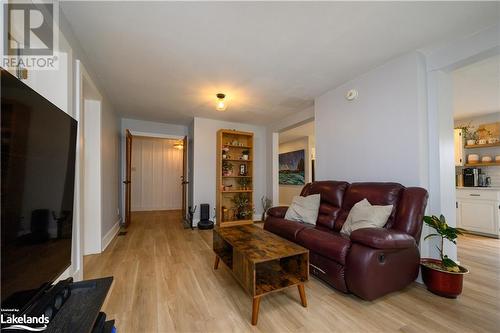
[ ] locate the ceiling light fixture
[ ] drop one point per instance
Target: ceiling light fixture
(221, 102)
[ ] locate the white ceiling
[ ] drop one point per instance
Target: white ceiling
(165, 61)
(296, 133)
(476, 88)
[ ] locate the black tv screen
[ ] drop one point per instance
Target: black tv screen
(38, 146)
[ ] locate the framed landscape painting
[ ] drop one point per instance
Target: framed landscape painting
(291, 170)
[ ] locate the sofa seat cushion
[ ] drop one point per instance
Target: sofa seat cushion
(284, 228)
(329, 244)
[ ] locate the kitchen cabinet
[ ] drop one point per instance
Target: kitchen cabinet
(478, 210)
(459, 146)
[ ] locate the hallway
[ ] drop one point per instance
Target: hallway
(164, 281)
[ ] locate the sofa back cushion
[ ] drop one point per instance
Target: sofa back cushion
(378, 194)
(332, 194)
(411, 212)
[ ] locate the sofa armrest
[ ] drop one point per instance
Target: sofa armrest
(278, 211)
(381, 238)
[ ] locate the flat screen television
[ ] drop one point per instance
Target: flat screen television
(38, 147)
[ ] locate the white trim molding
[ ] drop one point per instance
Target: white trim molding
(156, 135)
(110, 235)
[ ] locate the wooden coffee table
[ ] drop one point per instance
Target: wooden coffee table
(261, 261)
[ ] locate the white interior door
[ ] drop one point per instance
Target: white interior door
(156, 174)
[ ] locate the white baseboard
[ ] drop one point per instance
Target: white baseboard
(78, 276)
(110, 235)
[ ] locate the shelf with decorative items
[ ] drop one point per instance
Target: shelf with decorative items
(484, 145)
(477, 146)
(234, 202)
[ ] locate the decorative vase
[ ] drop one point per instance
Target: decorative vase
(441, 282)
(244, 157)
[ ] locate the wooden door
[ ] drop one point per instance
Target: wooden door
(184, 177)
(128, 177)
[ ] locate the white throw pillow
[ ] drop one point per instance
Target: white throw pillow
(304, 209)
(364, 215)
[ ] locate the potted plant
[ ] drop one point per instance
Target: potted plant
(244, 181)
(242, 206)
(227, 168)
(442, 277)
(266, 204)
(470, 135)
(245, 154)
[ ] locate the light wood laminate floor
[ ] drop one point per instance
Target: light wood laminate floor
(165, 282)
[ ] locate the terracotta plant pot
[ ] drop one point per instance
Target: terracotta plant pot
(440, 282)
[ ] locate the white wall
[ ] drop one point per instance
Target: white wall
(92, 212)
(156, 174)
(478, 120)
(204, 163)
(380, 136)
(146, 127)
(287, 192)
(110, 170)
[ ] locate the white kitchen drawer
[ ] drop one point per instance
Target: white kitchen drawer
(479, 194)
(478, 216)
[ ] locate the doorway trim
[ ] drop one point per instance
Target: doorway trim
(295, 120)
(156, 135)
(135, 133)
(440, 64)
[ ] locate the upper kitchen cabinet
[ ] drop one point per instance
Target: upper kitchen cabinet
(459, 147)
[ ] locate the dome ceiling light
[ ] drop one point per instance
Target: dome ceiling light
(221, 104)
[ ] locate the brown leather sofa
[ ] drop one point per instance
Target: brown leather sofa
(372, 261)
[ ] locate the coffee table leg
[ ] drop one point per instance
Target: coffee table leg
(255, 310)
(302, 293)
(216, 263)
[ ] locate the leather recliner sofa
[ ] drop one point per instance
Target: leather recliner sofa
(371, 262)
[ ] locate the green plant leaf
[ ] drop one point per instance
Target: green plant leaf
(430, 235)
(447, 262)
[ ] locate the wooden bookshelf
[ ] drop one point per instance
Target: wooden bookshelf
(234, 177)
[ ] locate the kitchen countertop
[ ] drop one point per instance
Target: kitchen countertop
(489, 188)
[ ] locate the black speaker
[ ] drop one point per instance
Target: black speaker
(205, 222)
(204, 212)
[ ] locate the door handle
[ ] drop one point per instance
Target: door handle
(126, 182)
(475, 195)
